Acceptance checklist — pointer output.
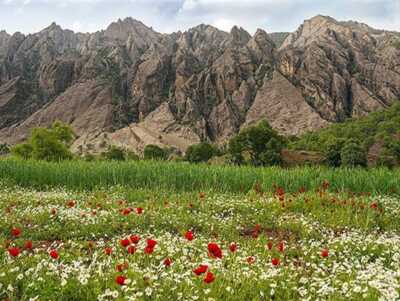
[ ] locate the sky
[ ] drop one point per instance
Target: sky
(29, 16)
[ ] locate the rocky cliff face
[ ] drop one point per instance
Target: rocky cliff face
(130, 85)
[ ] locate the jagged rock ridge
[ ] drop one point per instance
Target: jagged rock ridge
(129, 85)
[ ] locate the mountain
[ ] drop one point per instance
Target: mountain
(130, 85)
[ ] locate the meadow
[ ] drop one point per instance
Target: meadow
(173, 231)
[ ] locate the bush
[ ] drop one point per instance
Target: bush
(23, 150)
(50, 144)
(201, 152)
(131, 156)
(352, 154)
(154, 152)
(261, 142)
(4, 149)
(333, 150)
(114, 153)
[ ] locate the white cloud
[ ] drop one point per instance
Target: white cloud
(173, 15)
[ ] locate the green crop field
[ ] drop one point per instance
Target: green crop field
(173, 231)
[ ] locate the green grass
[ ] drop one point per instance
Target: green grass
(183, 177)
(362, 242)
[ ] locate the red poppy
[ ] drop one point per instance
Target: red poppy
(139, 210)
(54, 254)
(167, 262)
(148, 250)
(281, 246)
(53, 211)
(374, 205)
(209, 277)
(276, 261)
(16, 232)
(201, 269)
(233, 247)
(189, 235)
(151, 243)
(108, 251)
(126, 211)
(28, 245)
(202, 195)
(125, 242)
(71, 204)
(251, 259)
(134, 239)
(120, 280)
(325, 253)
(214, 250)
(131, 250)
(14, 252)
(270, 245)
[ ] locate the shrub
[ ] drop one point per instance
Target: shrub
(114, 153)
(201, 152)
(23, 150)
(352, 154)
(131, 156)
(154, 152)
(4, 149)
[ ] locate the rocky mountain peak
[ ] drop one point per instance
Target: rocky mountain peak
(139, 86)
(239, 36)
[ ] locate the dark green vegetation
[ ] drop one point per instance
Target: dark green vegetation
(171, 176)
(260, 142)
(338, 141)
(201, 152)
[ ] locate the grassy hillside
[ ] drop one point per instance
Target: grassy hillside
(379, 126)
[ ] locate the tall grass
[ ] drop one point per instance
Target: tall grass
(80, 175)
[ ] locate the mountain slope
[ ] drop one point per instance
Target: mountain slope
(130, 83)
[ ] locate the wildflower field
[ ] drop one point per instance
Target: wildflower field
(132, 243)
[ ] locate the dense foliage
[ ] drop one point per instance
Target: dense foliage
(50, 144)
(4, 149)
(379, 127)
(201, 152)
(154, 152)
(260, 142)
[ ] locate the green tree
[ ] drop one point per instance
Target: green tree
(201, 152)
(154, 152)
(50, 144)
(352, 154)
(333, 149)
(263, 144)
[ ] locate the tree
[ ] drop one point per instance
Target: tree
(50, 144)
(333, 150)
(201, 152)
(352, 154)
(262, 143)
(154, 152)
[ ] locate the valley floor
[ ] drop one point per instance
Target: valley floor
(120, 244)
